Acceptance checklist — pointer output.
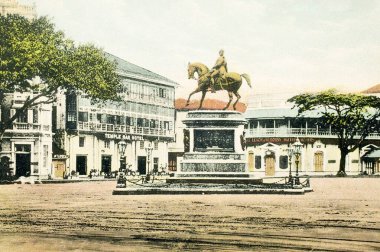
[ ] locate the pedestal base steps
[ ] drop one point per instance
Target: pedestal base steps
(215, 180)
(207, 190)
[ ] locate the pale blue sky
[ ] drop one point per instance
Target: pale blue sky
(284, 45)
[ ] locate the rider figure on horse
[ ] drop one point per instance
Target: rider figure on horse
(219, 70)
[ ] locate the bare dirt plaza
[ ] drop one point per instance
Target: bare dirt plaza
(342, 214)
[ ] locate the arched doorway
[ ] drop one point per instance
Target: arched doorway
(318, 161)
(270, 164)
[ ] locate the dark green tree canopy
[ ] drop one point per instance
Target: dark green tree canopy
(352, 117)
(31, 48)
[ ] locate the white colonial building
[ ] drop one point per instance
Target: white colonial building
(177, 149)
(273, 127)
(371, 153)
(87, 134)
(27, 144)
(13, 7)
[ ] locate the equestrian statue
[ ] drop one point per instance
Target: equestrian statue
(216, 79)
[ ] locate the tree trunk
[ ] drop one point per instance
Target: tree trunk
(342, 163)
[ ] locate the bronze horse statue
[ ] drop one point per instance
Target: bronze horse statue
(231, 84)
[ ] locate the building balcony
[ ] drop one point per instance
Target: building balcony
(112, 128)
(297, 132)
(30, 127)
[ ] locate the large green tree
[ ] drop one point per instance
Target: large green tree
(352, 117)
(34, 50)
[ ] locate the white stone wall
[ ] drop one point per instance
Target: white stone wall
(331, 157)
(177, 146)
(34, 133)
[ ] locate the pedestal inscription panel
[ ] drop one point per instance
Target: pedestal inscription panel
(213, 167)
(214, 140)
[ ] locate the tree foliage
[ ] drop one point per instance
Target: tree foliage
(34, 49)
(352, 117)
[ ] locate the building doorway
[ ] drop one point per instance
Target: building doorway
(250, 161)
(106, 164)
(59, 168)
(155, 165)
(141, 164)
(173, 160)
(270, 165)
(82, 165)
(318, 161)
(23, 164)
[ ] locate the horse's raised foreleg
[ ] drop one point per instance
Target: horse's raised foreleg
(237, 99)
(229, 102)
(203, 97)
(194, 92)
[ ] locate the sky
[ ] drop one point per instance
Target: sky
(284, 45)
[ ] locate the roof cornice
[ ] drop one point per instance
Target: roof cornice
(152, 80)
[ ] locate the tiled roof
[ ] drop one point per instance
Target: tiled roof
(372, 90)
(139, 72)
(209, 104)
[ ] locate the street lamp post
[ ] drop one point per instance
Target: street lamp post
(290, 155)
(148, 150)
(122, 180)
(297, 152)
(122, 145)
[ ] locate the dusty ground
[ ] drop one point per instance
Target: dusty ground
(342, 214)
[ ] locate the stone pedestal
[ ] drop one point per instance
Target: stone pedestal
(213, 145)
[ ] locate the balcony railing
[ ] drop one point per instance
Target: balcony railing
(30, 127)
(295, 132)
(103, 127)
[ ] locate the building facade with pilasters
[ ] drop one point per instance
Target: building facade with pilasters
(90, 133)
(27, 143)
(273, 127)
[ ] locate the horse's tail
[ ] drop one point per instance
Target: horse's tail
(247, 79)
